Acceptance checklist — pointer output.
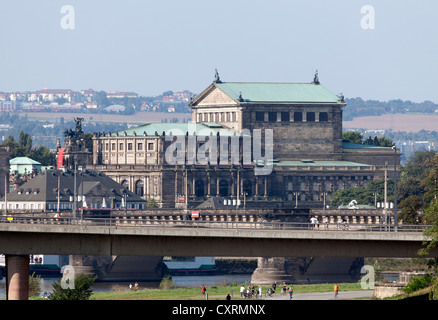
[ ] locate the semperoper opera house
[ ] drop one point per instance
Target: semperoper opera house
(223, 151)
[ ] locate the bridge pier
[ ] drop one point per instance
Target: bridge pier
(270, 270)
(17, 277)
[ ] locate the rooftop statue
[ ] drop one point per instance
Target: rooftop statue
(315, 78)
(77, 133)
(217, 79)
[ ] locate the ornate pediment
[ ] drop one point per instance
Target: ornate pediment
(213, 96)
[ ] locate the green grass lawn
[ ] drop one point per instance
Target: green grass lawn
(215, 292)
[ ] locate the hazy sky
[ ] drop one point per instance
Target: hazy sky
(153, 46)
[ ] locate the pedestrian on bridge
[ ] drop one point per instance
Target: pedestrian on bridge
(313, 222)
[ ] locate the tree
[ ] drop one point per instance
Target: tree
(352, 137)
(81, 291)
(12, 144)
(167, 93)
(88, 140)
(25, 143)
(430, 182)
(151, 203)
(43, 155)
(364, 195)
(34, 284)
(384, 142)
(431, 218)
(101, 99)
(409, 186)
(417, 164)
(23, 148)
(409, 210)
(356, 137)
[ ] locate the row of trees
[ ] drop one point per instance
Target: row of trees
(357, 137)
(357, 107)
(46, 133)
(23, 148)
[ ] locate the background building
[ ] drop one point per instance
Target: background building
(53, 189)
(24, 165)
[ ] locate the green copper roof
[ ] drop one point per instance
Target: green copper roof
(349, 145)
(319, 163)
(278, 92)
(23, 160)
(151, 129)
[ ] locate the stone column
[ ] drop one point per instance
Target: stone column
(217, 186)
(17, 277)
(193, 185)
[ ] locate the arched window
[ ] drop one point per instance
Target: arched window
(125, 183)
(139, 188)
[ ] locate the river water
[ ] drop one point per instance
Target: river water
(180, 282)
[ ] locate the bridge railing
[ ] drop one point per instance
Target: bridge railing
(124, 222)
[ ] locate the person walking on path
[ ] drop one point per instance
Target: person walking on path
(336, 290)
(203, 289)
(242, 289)
(291, 291)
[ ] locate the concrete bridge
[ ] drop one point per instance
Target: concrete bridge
(21, 237)
(196, 238)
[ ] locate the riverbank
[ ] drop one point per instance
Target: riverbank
(214, 292)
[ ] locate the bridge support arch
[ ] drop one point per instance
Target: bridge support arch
(17, 277)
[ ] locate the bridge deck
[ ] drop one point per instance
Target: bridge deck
(188, 238)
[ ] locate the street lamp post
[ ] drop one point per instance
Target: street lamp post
(375, 194)
(395, 187)
(125, 194)
(75, 194)
(296, 199)
(80, 145)
(385, 196)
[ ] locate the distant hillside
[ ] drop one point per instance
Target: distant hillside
(357, 107)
